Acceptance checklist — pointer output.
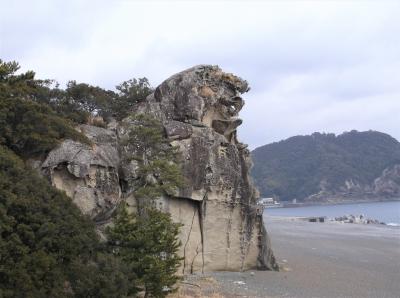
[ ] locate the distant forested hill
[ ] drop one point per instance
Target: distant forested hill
(325, 167)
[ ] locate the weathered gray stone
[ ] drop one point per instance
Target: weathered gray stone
(177, 130)
(222, 227)
(388, 184)
(222, 230)
(88, 174)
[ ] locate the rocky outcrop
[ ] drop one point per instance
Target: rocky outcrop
(357, 219)
(88, 174)
(222, 227)
(388, 184)
(385, 187)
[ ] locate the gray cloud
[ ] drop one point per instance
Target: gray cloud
(326, 66)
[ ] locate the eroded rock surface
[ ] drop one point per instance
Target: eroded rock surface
(88, 174)
(388, 184)
(385, 187)
(223, 229)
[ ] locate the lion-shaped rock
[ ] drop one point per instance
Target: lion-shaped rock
(223, 227)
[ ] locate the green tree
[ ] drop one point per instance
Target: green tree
(158, 170)
(106, 275)
(41, 232)
(47, 247)
(91, 99)
(28, 125)
(66, 106)
(149, 244)
(130, 93)
(30, 128)
(22, 85)
(149, 241)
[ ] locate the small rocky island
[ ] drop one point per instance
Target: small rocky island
(222, 227)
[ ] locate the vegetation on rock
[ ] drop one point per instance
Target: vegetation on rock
(148, 241)
(27, 126)
(129, 94)
(47, 247)
(149, 245)
(158, 173)
(78, 101)
(30, 128)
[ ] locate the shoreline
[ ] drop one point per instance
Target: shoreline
(332, 220)
(325, 260)
(328, 221)
(387, 212)
(309, 204)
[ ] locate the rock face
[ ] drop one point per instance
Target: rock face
(385, 187)
(223, 229)
(88, 174)
(388, 184)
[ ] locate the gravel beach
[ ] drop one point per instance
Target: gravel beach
(328, 259)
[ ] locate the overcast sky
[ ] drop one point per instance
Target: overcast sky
(328, 66)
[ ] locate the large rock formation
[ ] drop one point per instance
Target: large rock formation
(223, 229)
(88, 174)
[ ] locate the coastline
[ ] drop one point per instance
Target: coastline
(308, 204)
(387, 212)
(325, 260)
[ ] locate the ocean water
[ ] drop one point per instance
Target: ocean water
(387, 212)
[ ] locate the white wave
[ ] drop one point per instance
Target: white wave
(393, 224)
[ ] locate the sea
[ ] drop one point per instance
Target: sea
(387, 212)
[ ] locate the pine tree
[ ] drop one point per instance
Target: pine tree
(158, 171)
(47, 247)
(27, 126)
(129, 94)
(149, 244)
(148, 241)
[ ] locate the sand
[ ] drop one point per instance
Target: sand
(318, 260)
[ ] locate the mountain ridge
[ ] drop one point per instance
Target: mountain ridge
(325, 167)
